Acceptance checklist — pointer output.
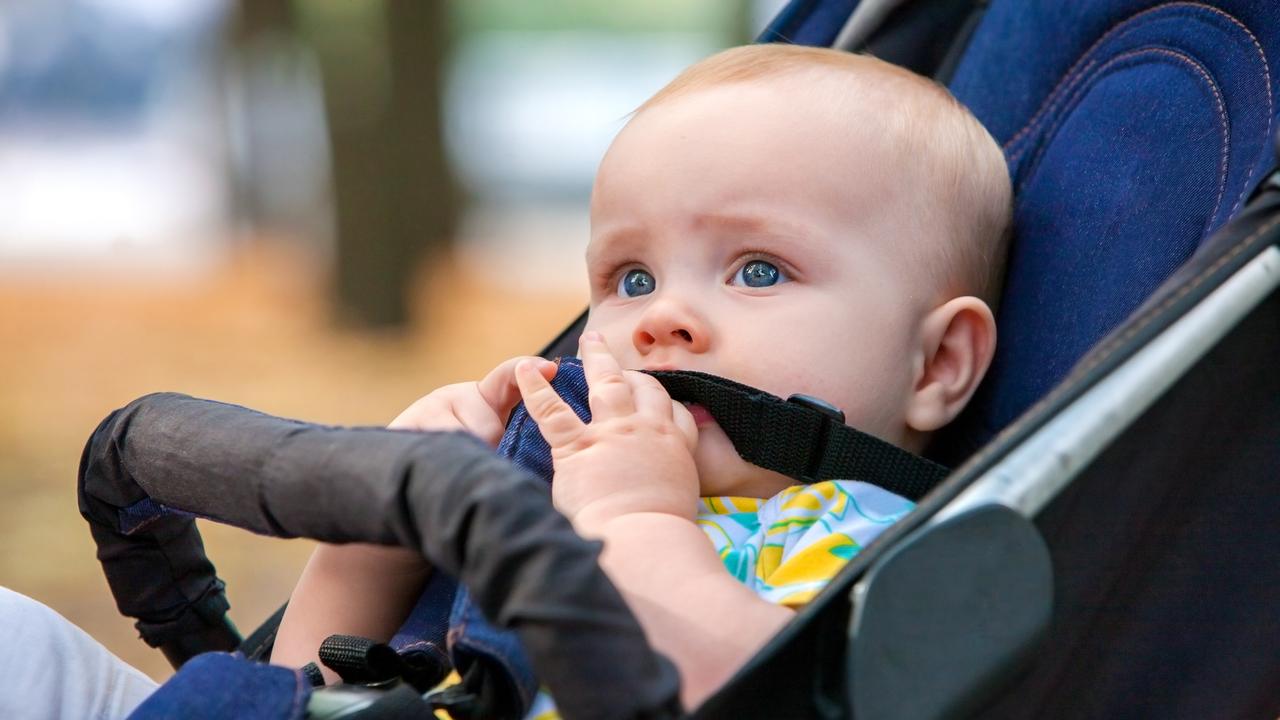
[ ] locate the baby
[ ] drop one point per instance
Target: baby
(799, 220)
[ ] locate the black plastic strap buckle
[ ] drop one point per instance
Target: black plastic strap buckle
(832, 417)
(816, 403)
(361, 661)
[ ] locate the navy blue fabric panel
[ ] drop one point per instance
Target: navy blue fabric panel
(1118, 211)
(1046, 40)
(218, 685)
(809, 22)
(139, 515)
(474, 639)
(1133, 129)
(523, 442)
(427, 627)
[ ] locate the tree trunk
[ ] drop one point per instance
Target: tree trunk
(392, 189)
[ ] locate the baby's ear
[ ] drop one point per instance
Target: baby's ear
(958, 339)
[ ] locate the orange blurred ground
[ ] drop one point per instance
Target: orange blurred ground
(255, 332)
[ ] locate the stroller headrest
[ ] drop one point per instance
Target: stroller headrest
(1133, 129)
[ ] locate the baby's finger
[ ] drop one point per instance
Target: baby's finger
(609, 394)
(648, 394)
(688, 426)
(556, 420)
(477, 417)
(429, 412)
(498, 388)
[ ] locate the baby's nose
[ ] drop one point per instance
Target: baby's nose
(666, 324)
(645, 338)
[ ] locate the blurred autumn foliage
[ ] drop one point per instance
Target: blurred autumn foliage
(255, 333)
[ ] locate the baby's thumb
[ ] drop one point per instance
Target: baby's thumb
(499, 388)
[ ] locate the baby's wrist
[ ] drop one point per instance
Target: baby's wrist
(594, 519)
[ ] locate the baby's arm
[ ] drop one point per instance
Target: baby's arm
(368, 590)
(628, 478)
(692, 610)
(364, 590)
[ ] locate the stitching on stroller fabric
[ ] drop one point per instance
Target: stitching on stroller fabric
(1090, 77)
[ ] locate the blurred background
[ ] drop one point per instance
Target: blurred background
(320, 209)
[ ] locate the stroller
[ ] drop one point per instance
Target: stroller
(1099, 550)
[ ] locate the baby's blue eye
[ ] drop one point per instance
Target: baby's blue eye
(759, 273)
(636, 282)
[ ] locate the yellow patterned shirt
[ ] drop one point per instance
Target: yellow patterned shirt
(789, 546)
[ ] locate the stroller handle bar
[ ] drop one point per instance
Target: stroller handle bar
(473, 515)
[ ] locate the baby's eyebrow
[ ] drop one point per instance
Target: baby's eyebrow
(622, 241)
(749, 225)
(627, 241)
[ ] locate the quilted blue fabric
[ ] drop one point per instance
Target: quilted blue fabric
(1133, 129)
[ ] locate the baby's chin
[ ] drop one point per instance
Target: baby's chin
(722, 472)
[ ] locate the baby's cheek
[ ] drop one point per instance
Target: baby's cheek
(876, 405)
(722, 472)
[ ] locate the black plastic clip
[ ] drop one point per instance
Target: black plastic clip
(815, 403)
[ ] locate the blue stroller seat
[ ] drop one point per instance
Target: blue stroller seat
(1130, 139)
(1139, 138)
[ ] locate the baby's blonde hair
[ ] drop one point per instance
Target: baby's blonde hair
(959, 170)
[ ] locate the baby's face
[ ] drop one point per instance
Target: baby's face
(741, 232)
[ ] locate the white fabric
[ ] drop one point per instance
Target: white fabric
(50, 668)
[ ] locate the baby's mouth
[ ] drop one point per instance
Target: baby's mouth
(701, 416)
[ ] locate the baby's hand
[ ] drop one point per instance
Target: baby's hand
(480, 408)
(634, 456)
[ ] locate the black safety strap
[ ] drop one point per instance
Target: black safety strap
(802, 437)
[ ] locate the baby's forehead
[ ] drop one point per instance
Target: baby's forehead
(877, 93)
(802, 116)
